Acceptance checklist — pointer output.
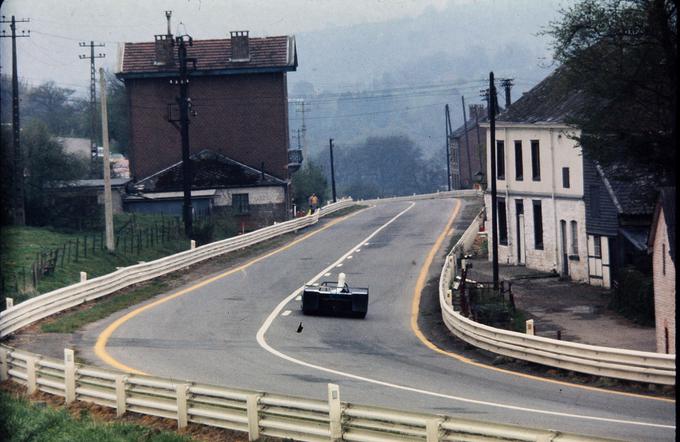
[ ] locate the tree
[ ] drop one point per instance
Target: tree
(622, 54)
(47, 166)
(310, 179)
(119, 118)
(56, 107)
(384, 167)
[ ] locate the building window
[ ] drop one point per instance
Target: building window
(574, 238)
(502, 223)
(239, 201)
(535, 161)
(565, 177)
(538, 225)
(519, 167)
(500, 159)
(597, 246)
(663, 259)
(594, 199)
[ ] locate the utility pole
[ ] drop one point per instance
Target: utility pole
(19, 212)
(303, 130)
(447, 123)
(332, 171)
(467, 140)
(108, 206)
(507, 83)
(93, 102)
(492, 158)
(184, 105)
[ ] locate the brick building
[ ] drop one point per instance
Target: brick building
(239, 102)
(662, 247)
(467, 146)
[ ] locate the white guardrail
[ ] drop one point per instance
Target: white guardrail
(616, 363)
(254, 412)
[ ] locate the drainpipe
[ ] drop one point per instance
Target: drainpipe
(552, 174)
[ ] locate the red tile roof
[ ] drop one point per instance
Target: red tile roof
(267, 52)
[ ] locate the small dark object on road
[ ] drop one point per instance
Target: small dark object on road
(335, 298)
(300, 327)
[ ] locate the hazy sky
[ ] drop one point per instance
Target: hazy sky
(51, 53)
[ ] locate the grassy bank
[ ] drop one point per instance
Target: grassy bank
(21, 420)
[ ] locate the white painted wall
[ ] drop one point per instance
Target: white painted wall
(256, 195)
(557, 150)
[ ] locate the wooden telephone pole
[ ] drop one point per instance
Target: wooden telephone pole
(108, 205)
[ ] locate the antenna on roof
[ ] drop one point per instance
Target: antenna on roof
(168, 14)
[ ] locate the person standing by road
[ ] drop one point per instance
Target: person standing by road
(313, 202)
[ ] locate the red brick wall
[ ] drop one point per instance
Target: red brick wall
(244, 117)
(467, 174)
(664, 288)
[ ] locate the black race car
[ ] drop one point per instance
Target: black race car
(335, 298)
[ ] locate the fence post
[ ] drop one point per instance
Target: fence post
(69, 376)
(334, 412)
(193, 244)
(121, 404)
(530, 327)
(77, 247)
(253, 417)
(4, 364)
(83, 276)
(181, 392)
(85, 246)
(432, 430)
(9, 303)
(31, 383)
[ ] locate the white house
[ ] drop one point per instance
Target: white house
(558, 210)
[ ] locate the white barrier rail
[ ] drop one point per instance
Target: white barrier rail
(426, 196)
(616, 363)
(254, 412)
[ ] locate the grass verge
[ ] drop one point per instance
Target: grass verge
(72, 321)
(345, 211)
(21, 420)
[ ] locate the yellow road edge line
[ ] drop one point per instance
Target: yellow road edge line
(415, 309)
(103, 338)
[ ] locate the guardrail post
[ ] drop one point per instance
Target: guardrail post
(9, 303)
(432, 430)
(31, 381)
(69, 376)
(181, 391)
(83, 276)
(334, 412)
(121, 403)
(253, 417)
(4, 364)
(530, 326)
(193, 244)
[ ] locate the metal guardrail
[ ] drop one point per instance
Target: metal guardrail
(616, 363)
(425, 196)
(254, 412)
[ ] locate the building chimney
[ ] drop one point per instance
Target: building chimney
(240, 50)
(476, 111)
(164, 46)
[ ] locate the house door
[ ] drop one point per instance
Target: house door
(519, 206)
(565, 258)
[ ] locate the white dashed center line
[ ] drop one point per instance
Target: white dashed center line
(299, 298)
(286, 313)
(327, 274)
(339, 265)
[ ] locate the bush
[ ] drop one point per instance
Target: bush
(633, 296)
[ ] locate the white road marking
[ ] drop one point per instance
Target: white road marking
(366, 243)
(315, 284)
(358, 250)
(286, 313)
(272, 316)
(327, 274)
(298, 298)
(349, 257)
(339, 265)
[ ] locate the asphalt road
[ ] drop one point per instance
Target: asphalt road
(241, 330)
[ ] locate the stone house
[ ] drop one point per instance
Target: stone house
(662, 245)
